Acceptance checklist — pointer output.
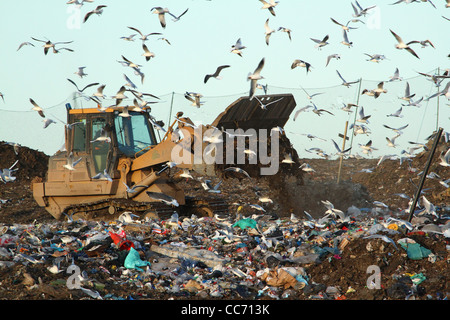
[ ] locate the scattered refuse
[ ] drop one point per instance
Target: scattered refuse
(361, 252)
(251, 257)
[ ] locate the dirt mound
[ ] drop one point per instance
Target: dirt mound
(18, 205)
(391, 177)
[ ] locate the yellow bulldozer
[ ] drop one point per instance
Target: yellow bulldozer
(115, 159)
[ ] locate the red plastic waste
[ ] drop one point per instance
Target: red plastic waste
(120, 240)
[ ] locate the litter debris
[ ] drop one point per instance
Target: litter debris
(319, 253)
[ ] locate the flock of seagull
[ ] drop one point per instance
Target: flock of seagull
(254, 78)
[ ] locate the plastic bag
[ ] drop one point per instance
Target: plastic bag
(133, 260)
(245, 223)
(414, 250)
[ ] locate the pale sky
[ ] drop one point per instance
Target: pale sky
(201, 41)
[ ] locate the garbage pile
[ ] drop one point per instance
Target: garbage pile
(355, 254)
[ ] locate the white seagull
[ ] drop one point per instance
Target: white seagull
(339, 151)
(401, 45)
(147, 53)
(396, 114)
(161, 14)
(48, 44)
(268, 31)
(335, 56)
(301, 63)
(269, 5)
(321, 43)
(344, 27)
(254, 77)
(71, 163)
(396, 76)
(98, 11)
(37, 108)
(445, 158)
(81, 72)
(345, 83)
(287, 30)
(216, 73)
(102, 176)
(237, 47)
(144, 37)
(264, 105)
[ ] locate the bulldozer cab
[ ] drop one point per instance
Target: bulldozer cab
(105, 136)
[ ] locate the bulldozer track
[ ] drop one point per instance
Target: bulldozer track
(112, 208)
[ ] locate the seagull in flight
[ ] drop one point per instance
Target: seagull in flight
(254, 77)
(408, 95)
(339, 151)
(264, 106)
(345, 83)
(401, 45)
(81, 72)
(98, 11)
(301, 110)
(398, 130)
(48, 44)
(129, 63)
(423, 43)
(335, 56)
(269, 5)
(413, 103)
(87, 86)
(346, 42)
(321, 43)
(212, 189)
(103, 176)
(375, 57)
(268, 31)
(363, 118)
(194, 98)
(26, 43)
(161, 14)
(396, 76)
(216, 73)
(301, 63)
(37, 108)
(71, 162)
(312, 95)
(396, 114)
(239, 170)
(163, 198)
(147, 53)
(348, 107)
(287, 30)
(375, 92)
(319, 111)
(129, 38)
(367, 148)
(132, 189)
(177, 18)
(444, 158)
(344, 27)
(237, 47)
(144, 37)
(359, 11)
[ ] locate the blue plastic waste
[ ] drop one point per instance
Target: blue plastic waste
(133, 260)
(245, 223)
(415, 251)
